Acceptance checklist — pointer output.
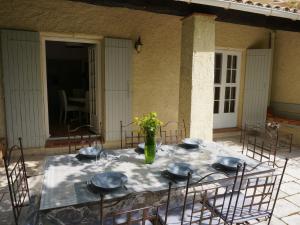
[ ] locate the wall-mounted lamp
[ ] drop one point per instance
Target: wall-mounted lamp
(138, 45)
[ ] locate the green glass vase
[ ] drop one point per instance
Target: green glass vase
(150, 149)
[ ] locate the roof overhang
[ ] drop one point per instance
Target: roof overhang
(251, 8)
(226, 11)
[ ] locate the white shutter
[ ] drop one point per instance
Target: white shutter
(24, 105)
(118, 61)
(258, 69)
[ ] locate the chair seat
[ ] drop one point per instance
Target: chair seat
(74, 108)
(191, 216)
(242, 213)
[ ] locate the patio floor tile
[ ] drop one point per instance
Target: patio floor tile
(293, 171)
(291, 188)
(285, 208)
(287, 178)
(292, 220)
(295, 199)
(282, 194)
(274, 221)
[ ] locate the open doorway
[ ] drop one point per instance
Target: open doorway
(68, 85)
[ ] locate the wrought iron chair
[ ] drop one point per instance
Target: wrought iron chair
(17, 179)
(130, 135)
(173, 132)
(284, 140)
(256, 199)
(147, 215)
(83, 136)
(251, 129)
(261, 147)
(202, 198)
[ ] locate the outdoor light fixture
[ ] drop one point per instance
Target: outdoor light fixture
(138, 45)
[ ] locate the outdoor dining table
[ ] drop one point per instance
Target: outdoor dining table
(65, 177)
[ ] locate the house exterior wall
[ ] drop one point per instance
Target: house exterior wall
(285, 81)
(286, 77)
(156, 70)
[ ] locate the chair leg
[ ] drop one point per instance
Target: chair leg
(65, 118)
(60, 116)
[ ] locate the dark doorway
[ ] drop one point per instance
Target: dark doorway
(67, 85)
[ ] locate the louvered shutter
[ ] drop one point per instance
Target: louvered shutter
(118, 69)
(258, 69)
(24, 104)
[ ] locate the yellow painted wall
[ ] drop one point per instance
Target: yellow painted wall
(156, 69)
(286, 75)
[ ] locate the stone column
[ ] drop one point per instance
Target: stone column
(196, 75)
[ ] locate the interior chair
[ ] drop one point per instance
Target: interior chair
(202, 199)
(65, 107)
(86, 108)
(82, 136)
(173, 132)
(255, 200)
(21, 199)
(130, 135)
(78, 93)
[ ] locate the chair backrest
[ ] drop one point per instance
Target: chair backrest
(259, 195)
(134, 215)
(17, 178)
(130, 135)
(82, 136)
(209, 195)
(63, 99)
(173, 132)
(78, 93)
(261, 148)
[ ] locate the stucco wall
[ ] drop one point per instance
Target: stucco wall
(286, 75)
(156, 69)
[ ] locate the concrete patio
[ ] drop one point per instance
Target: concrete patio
(287, 209)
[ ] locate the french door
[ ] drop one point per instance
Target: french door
(226, 88)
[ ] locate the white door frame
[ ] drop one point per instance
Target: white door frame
(237, 52)
(78, 38)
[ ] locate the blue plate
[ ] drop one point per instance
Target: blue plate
(179, 169)
(109, 180)
(192, 141)
(89, 152)
(230, 163)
